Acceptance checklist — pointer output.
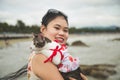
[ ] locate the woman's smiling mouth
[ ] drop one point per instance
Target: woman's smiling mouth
(59, 39)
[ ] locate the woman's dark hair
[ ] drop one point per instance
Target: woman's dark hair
(51, 15)
(48, 17)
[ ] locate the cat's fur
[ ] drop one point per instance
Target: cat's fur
(40, 42)
(43, 45)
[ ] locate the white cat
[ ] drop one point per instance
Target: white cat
(51, 49)
(58, 54)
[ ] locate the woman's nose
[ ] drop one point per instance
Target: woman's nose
(61, 32)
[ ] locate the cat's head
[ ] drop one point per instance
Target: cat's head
(39, 40)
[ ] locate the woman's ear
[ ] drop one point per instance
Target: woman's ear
(42, 29)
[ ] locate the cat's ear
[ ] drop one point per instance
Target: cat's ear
(48, 40)
(34, 35)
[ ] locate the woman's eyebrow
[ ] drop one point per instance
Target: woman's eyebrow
(58, 25)
(66, 28)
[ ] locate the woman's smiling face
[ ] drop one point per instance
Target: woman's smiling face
(57, 29)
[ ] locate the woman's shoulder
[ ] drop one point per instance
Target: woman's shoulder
(39, 58)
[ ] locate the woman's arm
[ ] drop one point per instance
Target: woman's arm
(46, 71)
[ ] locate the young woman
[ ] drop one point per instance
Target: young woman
(54, 27)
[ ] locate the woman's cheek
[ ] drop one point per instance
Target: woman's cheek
(52, 36)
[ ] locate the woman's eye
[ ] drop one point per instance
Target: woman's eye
(66, 30)
(57, 28)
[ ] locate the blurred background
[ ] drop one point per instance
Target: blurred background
(94, 34)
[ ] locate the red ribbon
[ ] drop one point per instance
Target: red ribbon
(55, 51)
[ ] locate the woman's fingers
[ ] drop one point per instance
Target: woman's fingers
(83, 76)
(71, 78)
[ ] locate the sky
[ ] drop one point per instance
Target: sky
(81, 13)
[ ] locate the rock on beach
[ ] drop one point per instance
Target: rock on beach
(101, 71)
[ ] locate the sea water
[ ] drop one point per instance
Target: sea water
(101, 50)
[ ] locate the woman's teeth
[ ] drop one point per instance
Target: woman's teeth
(60, 39)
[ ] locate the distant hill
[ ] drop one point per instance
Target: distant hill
(95, 29)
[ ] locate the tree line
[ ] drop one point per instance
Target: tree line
(20, 27)
(100, 29)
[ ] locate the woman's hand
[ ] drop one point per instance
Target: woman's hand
(83, 77)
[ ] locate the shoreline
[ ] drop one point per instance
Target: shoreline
(14, 38)
(85, 34)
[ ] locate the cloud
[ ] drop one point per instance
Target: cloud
(80, 12)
